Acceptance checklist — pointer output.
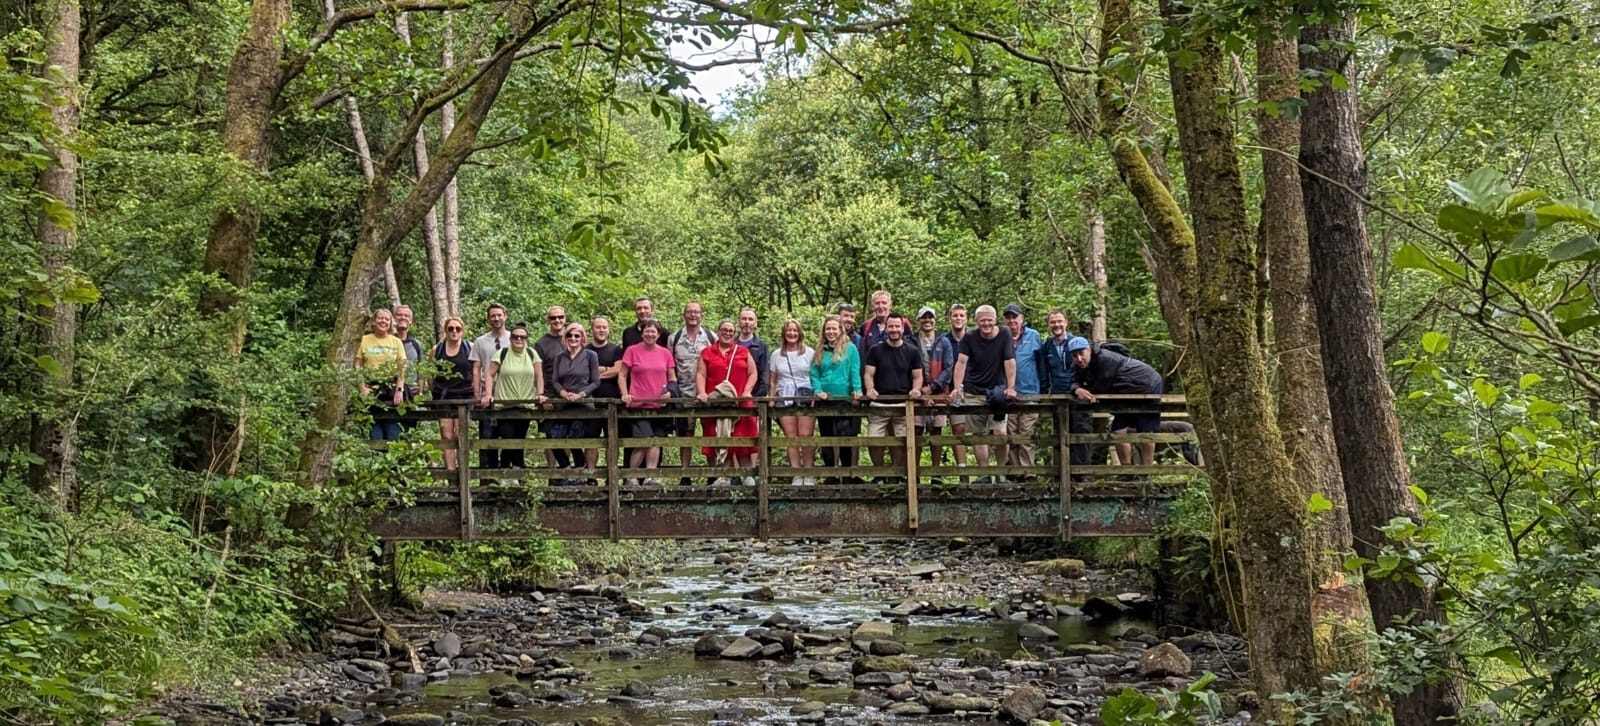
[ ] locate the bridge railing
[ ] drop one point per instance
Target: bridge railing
(1057, 473)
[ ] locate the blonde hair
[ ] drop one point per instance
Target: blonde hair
(840, 344)
(800, 335)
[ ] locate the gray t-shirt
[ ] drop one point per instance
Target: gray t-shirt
(686, 354)
(793, 369)
(486, 348)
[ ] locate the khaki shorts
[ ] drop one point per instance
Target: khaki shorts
(934, 422)
(977, 423)
(886, 424)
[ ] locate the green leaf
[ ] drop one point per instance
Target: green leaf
(1528, 380)
(1574, 325)
(1435, 342)
(1127, 708)
(1465, 222)
(1518, 267)
(1412, 257)
(1584, 248)
(1318, 504)
(1507, 655)
(1416, 491)
(1483, 190)
(1580, 211)
(49, 365)
(1486, 393)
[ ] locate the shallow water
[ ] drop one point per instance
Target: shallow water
(686, 689)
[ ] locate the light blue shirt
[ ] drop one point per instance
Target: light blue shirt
(1028, 347)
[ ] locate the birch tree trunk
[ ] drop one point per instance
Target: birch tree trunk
(1365, 427)
(1097, 271)
(437, 284)
(55, 434)
(452, 203)
(1302, 393)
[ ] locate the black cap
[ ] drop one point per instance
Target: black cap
(1012, 310)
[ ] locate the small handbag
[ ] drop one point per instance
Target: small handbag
(725, 389)
(799, 391)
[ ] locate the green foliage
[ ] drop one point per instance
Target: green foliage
(1195, 704)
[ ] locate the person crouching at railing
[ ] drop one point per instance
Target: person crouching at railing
(1102, 370)
(453, 383)
(382, 358)
(836, 375)
(516, 374)
(575, 375)
(646, 368)
(790, 378)
(727, 372)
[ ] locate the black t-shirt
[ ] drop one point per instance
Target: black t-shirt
(986, 358)
(632, 336)
(609, 354)
(548, 346)
(892, 366)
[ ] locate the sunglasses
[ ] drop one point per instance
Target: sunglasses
(574, 336)
(518, 337)
(453, 329)
(554, 318)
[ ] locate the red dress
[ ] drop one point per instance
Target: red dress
(716, 363)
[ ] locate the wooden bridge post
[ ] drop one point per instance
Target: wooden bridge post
(912, 517)
(464, 447)
(763, 469)
(613, 496)
(1063, 416)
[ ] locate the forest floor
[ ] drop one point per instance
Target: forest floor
(748, 632)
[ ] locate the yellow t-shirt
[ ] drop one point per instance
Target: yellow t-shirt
(385, 356)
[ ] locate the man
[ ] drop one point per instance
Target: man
(946, 380)
(1028, 347)
(1101, 370)
(758, 350)
(403, 317)
(643, 309)
(686, 345)
(938, 356)
(609, 354)
(986, 374)
(847, 318)
(1057, 374)
(549, 347)
(893, 369)
(873, 332)
(485, 350)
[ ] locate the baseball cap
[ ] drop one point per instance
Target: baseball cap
(1012, 309)
(1076, 344)
(926, 312)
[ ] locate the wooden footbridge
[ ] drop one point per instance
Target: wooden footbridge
(1054, 499)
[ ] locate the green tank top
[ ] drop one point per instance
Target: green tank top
(514, 380)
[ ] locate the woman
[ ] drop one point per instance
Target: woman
(516, 374)
(790, 376)
(646, 367)
(574, 375)
(727, 371)
(836, 375)
(382, 357)
(453, 359)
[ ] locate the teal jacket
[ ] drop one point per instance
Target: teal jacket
(838, 379)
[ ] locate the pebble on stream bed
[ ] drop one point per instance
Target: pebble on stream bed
(750, 632)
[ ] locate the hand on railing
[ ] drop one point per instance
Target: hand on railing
(1084, 395)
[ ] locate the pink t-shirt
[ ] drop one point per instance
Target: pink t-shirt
(648, 373)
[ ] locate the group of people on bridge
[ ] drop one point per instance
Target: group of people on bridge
(887, 357)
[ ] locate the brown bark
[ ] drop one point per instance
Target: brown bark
(1365, 427)
(1303, 417)
(438, 286)
(386, 222)
(1268, 507)
(254, 82)
(55, 432)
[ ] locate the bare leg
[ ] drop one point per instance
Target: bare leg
(447, 432)
(805, 426)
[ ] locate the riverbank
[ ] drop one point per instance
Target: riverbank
(743, 632)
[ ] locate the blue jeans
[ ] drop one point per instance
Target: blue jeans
(385, 430)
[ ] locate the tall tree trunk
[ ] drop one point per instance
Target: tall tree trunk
(254, 81)
(1097, 271)
(452, 202)
(1365, 427)
(1268, 505)
(55, 432)
(385, 222)
(438, 285)
(1302, 393)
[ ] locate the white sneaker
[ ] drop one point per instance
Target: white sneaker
(720, 481)
(749, 481)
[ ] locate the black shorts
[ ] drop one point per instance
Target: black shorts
(1144, 422)
(683, 426)
(649, 427)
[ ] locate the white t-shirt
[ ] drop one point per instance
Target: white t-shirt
(486, 349)
(793, 369)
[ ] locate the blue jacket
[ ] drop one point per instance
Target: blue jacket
(1029, 350)
(1056, 373)
(940, 355)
